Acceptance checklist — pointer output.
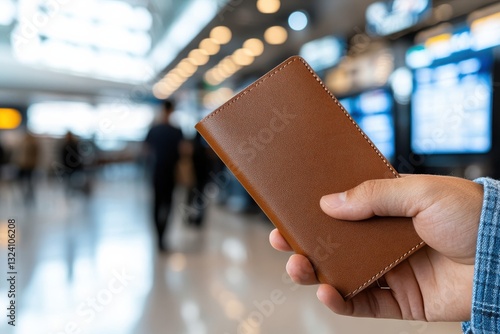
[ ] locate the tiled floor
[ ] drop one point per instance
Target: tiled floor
(89, 266)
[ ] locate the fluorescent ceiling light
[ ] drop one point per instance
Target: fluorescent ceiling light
(57, 118)
(129, 122)
(7, 12)
(195, 17)
(104, 39)
(116, 13)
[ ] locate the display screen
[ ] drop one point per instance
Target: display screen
(323, 53)
(373, 111)
(391, 16)
(452, 105)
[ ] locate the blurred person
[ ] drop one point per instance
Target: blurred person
(2, 155)
(163, 141)
(202, 166)
(89, 152)
(71, 159)
(27, 161)
(455, 278)
(3, 160)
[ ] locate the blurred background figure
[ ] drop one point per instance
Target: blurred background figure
(72, 162)
(2, 155)
(27, 160)
(3, 159)
(202, 162)
(163, 143)
(3, 162)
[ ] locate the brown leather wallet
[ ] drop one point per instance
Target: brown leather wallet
(289, 141)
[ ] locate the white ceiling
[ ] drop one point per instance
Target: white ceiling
(23, 84)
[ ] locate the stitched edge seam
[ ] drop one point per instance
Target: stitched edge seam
(248, 90)
(385, 269)
(350, 118)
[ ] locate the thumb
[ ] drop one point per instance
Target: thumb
(401, 197)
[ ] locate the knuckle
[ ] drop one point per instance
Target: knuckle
(366, 190)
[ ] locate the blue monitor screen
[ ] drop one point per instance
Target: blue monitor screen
(451, 106)
(390, 16)
(373, 111)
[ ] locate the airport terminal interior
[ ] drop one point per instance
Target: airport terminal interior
(108, 228)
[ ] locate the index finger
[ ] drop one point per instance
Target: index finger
(278, 242)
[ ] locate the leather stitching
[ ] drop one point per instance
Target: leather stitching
(350, 118)
(385, 269)
(249, 89)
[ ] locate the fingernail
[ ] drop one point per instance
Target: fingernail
(334, 201)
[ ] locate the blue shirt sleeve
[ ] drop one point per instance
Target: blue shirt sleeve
(485, 316)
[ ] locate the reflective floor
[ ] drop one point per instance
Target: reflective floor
(90, 266)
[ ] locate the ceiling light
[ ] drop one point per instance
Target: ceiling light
(217, 97)
(276, 35)
(402, 84)
(187, 66)
(221, 34)
(143, 20)
(268, 6)
(198, 57)
(443, 12)
(217, 77)
(210, 45)
(238, 67)
(207, 101)
(209, 78)
(298, 20)
(175, 85)
(84, 39)
(168, 85)
(162, 88)
(172, 76)
(243, 57)
(228, 65)
(211, 81)
(255, 46)
(181, 72)
(7, 12)
(158, 95)
(175, 78)
(222, 72)
(194, 17)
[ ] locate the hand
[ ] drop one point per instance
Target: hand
(434, 284)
